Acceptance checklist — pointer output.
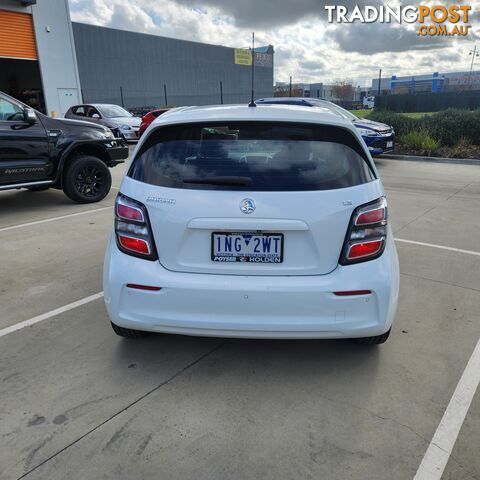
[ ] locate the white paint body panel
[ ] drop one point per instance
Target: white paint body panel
(293, 299)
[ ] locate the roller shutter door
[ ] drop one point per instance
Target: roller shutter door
(17, 37)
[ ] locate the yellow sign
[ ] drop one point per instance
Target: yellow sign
(243, 57)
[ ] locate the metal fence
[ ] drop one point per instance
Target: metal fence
(136, 99)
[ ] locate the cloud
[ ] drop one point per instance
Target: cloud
(306, 46)
(271, 13)
(312, 65)
(382, 37)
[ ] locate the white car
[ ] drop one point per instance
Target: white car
(253, 222)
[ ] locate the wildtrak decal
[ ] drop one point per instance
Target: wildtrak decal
(10, 171)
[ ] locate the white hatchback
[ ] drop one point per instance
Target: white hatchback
(253, 222)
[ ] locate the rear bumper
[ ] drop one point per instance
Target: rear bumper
(252, 306)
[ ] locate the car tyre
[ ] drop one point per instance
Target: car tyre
(379, 339)
(127, 332)
(87, 179)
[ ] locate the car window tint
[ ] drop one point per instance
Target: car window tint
(114, 111)
(268, 156)
(91, 111)
(9, 111)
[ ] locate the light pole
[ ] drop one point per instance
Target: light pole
(379, 81)
(473, 53)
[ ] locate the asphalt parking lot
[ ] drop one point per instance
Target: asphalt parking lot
(78, 402)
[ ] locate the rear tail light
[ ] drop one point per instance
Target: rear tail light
(360, 250)
(128, 212)
(132, 229)
(137, 245)
(366, 234)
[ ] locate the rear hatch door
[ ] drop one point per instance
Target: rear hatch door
(251, 198)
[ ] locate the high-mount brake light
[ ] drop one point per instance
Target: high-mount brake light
(132, 228)
(367, 233)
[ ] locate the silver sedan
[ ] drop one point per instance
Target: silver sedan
(119, 120)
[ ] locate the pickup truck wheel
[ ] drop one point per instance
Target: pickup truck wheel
(87, 179)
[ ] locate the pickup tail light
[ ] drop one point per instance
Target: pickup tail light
(367, 233)
(132, 229)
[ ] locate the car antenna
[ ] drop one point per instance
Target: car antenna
(252, 101)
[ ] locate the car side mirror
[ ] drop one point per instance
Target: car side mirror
(29, 116)
(96, 115)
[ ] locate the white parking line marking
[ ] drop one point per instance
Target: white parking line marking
(53, 219)
(440, 448)
(441, 247)
(50, 314)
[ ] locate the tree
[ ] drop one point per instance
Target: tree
(343, 89)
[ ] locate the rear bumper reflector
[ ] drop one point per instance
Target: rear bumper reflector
(352, 293)
(143, 287)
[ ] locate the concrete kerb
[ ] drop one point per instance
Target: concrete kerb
(413, 158)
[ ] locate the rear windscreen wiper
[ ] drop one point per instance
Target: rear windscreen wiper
(220, 180)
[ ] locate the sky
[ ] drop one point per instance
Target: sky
(307, 47)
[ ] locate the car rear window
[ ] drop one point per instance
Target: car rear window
(260, 156)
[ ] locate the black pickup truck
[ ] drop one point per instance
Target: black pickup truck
(38, 152)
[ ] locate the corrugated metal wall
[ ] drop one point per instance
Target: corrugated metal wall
(141, 64)
(17, 38)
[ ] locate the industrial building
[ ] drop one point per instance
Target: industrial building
(317, 90)
(136, 69)
(51, 64)
(37, 55)
(431, 83)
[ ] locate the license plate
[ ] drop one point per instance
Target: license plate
(247, 247)
(390, 144)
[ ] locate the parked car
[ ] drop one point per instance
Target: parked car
(149, 118)
(267, 222)
(120, 121)
(379, 137)
(38, 152)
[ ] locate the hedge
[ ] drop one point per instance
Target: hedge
(449, 127)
